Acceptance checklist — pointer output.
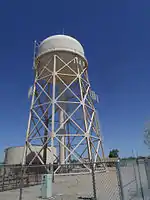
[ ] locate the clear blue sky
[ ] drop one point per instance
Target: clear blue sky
(116, 38)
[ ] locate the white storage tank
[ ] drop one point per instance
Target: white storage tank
(14, 155)
(60, 43)
(66, 48)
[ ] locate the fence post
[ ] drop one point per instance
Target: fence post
(120, 184)
(93, 180)
(21, 183)
(140, 181)
(135, 176)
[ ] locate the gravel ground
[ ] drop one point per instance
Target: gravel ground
(73, 187)
(77, 186)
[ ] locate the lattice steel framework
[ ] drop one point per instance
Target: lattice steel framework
(62, 113)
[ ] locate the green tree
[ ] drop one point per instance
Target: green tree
(114, 153)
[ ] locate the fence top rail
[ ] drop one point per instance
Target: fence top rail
(104, 161)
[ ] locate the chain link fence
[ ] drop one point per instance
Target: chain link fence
(143, 168)
(134, 175)
(108, 184)
(107, 180)
(147, 170)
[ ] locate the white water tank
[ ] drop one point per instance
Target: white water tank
(60, 43)
(66, 49)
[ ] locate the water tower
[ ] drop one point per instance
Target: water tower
(62, 118)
